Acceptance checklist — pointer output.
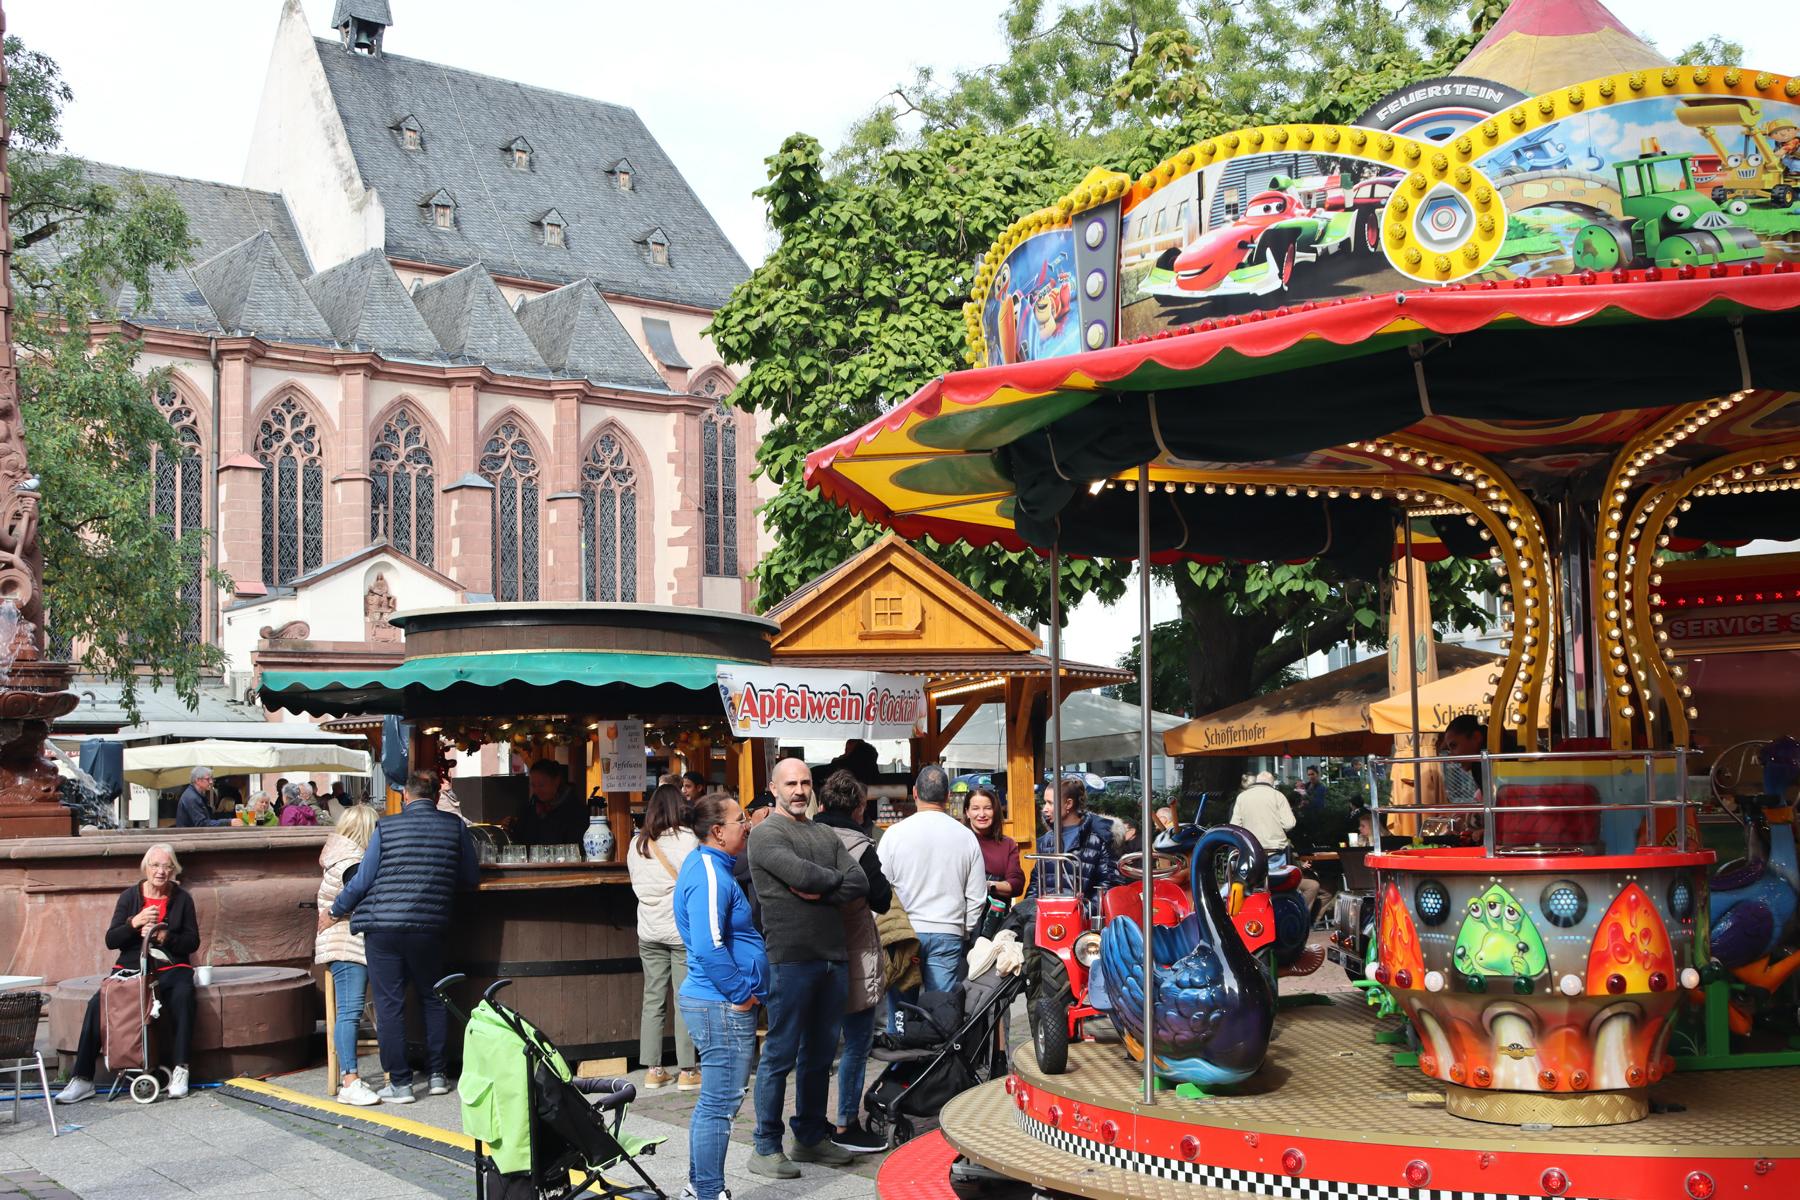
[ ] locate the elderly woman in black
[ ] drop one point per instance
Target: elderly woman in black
(157, 901)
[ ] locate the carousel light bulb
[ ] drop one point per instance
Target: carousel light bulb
(1692, 712)
(1211, 489)
(1624, 689)
(1686, 691)
(1231, 489)
(1621, 669)
(1188, 488)
(1628, 711)
(1131, 485)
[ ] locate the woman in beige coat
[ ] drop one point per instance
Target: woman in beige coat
(342, 951)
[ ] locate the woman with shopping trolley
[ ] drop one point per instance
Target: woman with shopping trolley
(158, 904)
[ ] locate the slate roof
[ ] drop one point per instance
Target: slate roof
(472, 321)
(577, 334)
(367, 306)
(220, 214)
(251, 289)
(374, 11)
(466, 119)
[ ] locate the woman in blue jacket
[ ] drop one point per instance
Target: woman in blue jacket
(727, 977)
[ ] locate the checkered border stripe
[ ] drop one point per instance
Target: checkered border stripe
(1255, 1183)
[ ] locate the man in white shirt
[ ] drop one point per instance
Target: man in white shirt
(934, 864)
(1265, 812)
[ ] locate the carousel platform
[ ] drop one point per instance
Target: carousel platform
(1331, 1116)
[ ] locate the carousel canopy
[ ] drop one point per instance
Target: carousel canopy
(1523, 295)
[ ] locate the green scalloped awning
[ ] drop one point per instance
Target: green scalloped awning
(350, 690)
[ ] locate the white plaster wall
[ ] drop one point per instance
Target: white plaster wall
(326, 389)
(434, 402)
(684, 326)
(300, 149)
(333, 606)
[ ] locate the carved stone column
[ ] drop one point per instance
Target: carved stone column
(33, 692)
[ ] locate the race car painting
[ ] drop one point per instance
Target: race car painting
(1293, 222)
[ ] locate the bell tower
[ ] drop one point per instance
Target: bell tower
(360, 24)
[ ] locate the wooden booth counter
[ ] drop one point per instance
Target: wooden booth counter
(566, 934)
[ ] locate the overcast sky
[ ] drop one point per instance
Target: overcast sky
(173, 85)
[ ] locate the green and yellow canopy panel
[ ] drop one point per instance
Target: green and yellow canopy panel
(524, 681)
(1326, 715)
(1532, 290)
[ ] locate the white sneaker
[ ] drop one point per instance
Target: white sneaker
(178, 1083)
(78, 1089)
(687, 1193)
(358, 1093)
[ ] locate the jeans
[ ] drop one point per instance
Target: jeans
(725, 1041)
(859, 1031)
(175, 989)
(806, 1007)
(661, 960)
(350, 986)
(397, 958)
(941, 961)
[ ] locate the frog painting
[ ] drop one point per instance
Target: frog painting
(1498, 938)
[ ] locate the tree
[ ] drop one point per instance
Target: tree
(860, 304)
(92, 426)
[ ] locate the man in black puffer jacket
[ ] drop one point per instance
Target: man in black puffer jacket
(403, 894)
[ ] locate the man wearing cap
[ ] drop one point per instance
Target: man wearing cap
(194, 809)
(1265, 812)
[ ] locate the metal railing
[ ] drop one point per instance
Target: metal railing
(1486, 806)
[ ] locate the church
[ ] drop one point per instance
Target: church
(443, 345)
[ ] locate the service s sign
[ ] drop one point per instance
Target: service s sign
(799, 704)
(1709, 627)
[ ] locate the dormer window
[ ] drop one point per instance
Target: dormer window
(621, 173)
(440, 209)
(624, 178)
(657, 243)
(518, 153)
(552, 224)
(411, 136)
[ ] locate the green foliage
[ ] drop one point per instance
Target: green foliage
(1713, 51)
(862, 303)
(91, 424)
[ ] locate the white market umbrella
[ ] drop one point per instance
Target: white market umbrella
(173, 765)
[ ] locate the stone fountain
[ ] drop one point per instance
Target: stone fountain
(33, 691)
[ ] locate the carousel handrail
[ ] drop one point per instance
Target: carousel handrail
(1486, 805)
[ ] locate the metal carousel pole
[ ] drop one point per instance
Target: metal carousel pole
(1056, 843)
(1146, 857)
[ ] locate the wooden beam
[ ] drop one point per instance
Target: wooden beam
(1021, 764)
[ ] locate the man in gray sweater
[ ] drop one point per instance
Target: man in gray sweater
(801, 873)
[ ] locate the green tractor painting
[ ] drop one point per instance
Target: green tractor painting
(1668, 221)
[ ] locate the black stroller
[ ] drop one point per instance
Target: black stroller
(919, 1080)
(570, 1139)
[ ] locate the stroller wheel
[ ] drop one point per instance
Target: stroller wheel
(164, 1075)
(903, 1131)
(145, 1089)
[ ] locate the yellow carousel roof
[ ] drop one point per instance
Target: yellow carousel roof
(1541, 45)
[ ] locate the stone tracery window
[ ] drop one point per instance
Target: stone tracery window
(609, 522)
(718, 474)
(511, 465)
(293, 492)
(177, 495)
(404, 493)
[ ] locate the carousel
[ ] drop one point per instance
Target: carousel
(1545, 309)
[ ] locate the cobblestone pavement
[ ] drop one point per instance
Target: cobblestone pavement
(33, 1185)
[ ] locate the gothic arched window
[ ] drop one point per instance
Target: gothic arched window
(177, 495)
(404, 496)
(718, 473)
(293, 492)
(510, 464)
(608, 522)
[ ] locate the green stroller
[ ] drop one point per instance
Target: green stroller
(540, 1133)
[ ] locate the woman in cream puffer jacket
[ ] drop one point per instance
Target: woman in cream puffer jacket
(341, 951)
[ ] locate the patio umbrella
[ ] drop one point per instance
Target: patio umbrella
(173, 765)
(1442, 701)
